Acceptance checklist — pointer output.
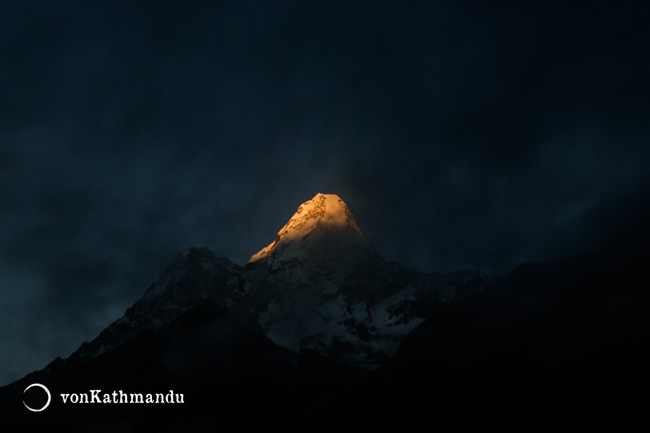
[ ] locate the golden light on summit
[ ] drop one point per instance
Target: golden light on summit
(323, 213)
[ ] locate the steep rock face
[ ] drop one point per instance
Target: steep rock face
(321, 231)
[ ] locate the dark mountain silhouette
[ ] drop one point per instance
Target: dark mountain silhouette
(562, 343)
(311, 314)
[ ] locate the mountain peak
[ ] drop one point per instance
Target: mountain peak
(321, 225)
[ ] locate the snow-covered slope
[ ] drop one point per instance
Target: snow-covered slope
(333, 294)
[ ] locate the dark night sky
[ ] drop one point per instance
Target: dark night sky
(461, 134)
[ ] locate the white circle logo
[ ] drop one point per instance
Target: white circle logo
(49, 397)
